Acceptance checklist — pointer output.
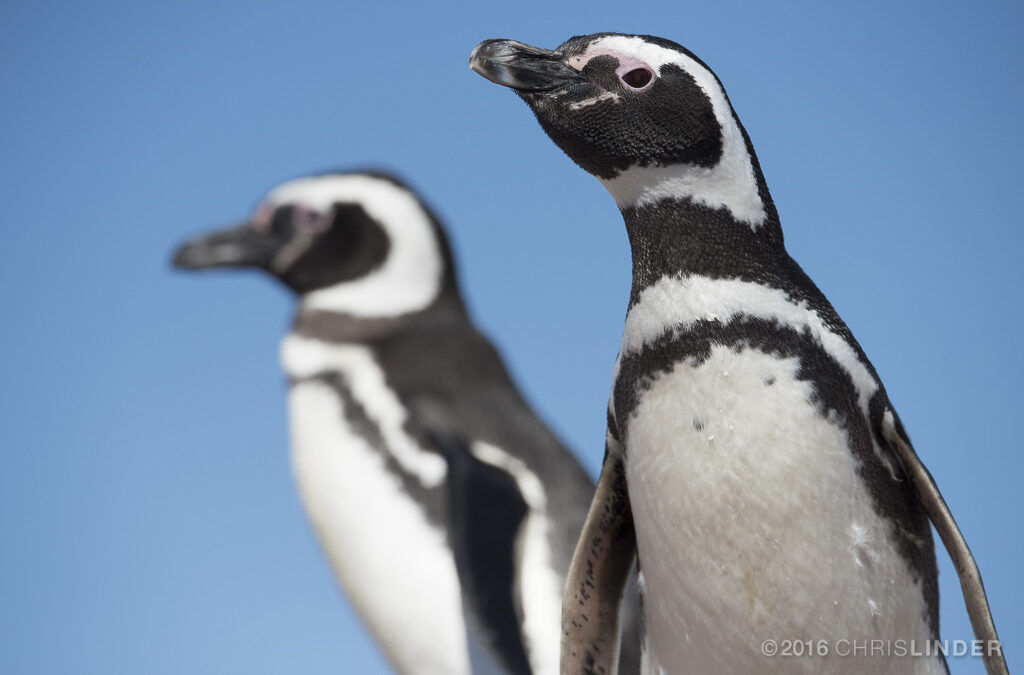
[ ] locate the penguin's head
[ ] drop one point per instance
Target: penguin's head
(641, 113)
(359, 243)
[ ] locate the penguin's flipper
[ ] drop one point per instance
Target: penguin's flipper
(966, 568)
(598, 574)
(486, 513)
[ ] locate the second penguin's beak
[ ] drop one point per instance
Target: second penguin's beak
(241, 246)
(522, 67)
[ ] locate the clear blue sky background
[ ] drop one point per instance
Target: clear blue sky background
(147, 516)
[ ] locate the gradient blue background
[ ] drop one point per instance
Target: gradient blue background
(148, 521)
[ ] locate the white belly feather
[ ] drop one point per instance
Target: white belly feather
(753, 524)
(395, 566)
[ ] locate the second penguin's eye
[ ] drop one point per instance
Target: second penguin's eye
(309, 220)
(638, 78)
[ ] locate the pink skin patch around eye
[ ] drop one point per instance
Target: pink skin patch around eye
(626, 64)
(262, 217)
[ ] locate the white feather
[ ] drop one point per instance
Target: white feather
(753, 525)
(305, 357)
(396, 567)
(677, 302)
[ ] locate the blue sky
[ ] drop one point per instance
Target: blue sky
(148, 518)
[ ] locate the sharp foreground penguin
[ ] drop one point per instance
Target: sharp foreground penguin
(448, 510)
(754, 461)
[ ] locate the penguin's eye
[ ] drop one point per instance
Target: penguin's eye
(309, 220)
(637, 78)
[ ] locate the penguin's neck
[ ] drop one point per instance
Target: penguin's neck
(341, 327)
(687, 219)
(679, 237)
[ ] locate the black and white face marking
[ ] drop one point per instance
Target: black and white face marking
(640, 113)
(357, 243)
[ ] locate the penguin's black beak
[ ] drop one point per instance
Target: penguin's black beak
(522, 67)
(241, 246)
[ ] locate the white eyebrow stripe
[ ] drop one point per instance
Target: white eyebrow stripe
(411, 275)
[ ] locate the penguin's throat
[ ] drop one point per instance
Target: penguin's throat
(447, 310)
(679, 236)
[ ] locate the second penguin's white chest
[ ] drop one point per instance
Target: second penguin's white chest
(753, 524)
(394, 564)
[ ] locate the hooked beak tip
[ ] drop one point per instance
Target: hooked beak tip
(191, 256)
(235, 247)
(520, 66)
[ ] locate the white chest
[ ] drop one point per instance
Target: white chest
(753, 524)
(395, 566)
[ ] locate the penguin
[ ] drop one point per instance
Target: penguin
(447, 509)
(754, 463)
